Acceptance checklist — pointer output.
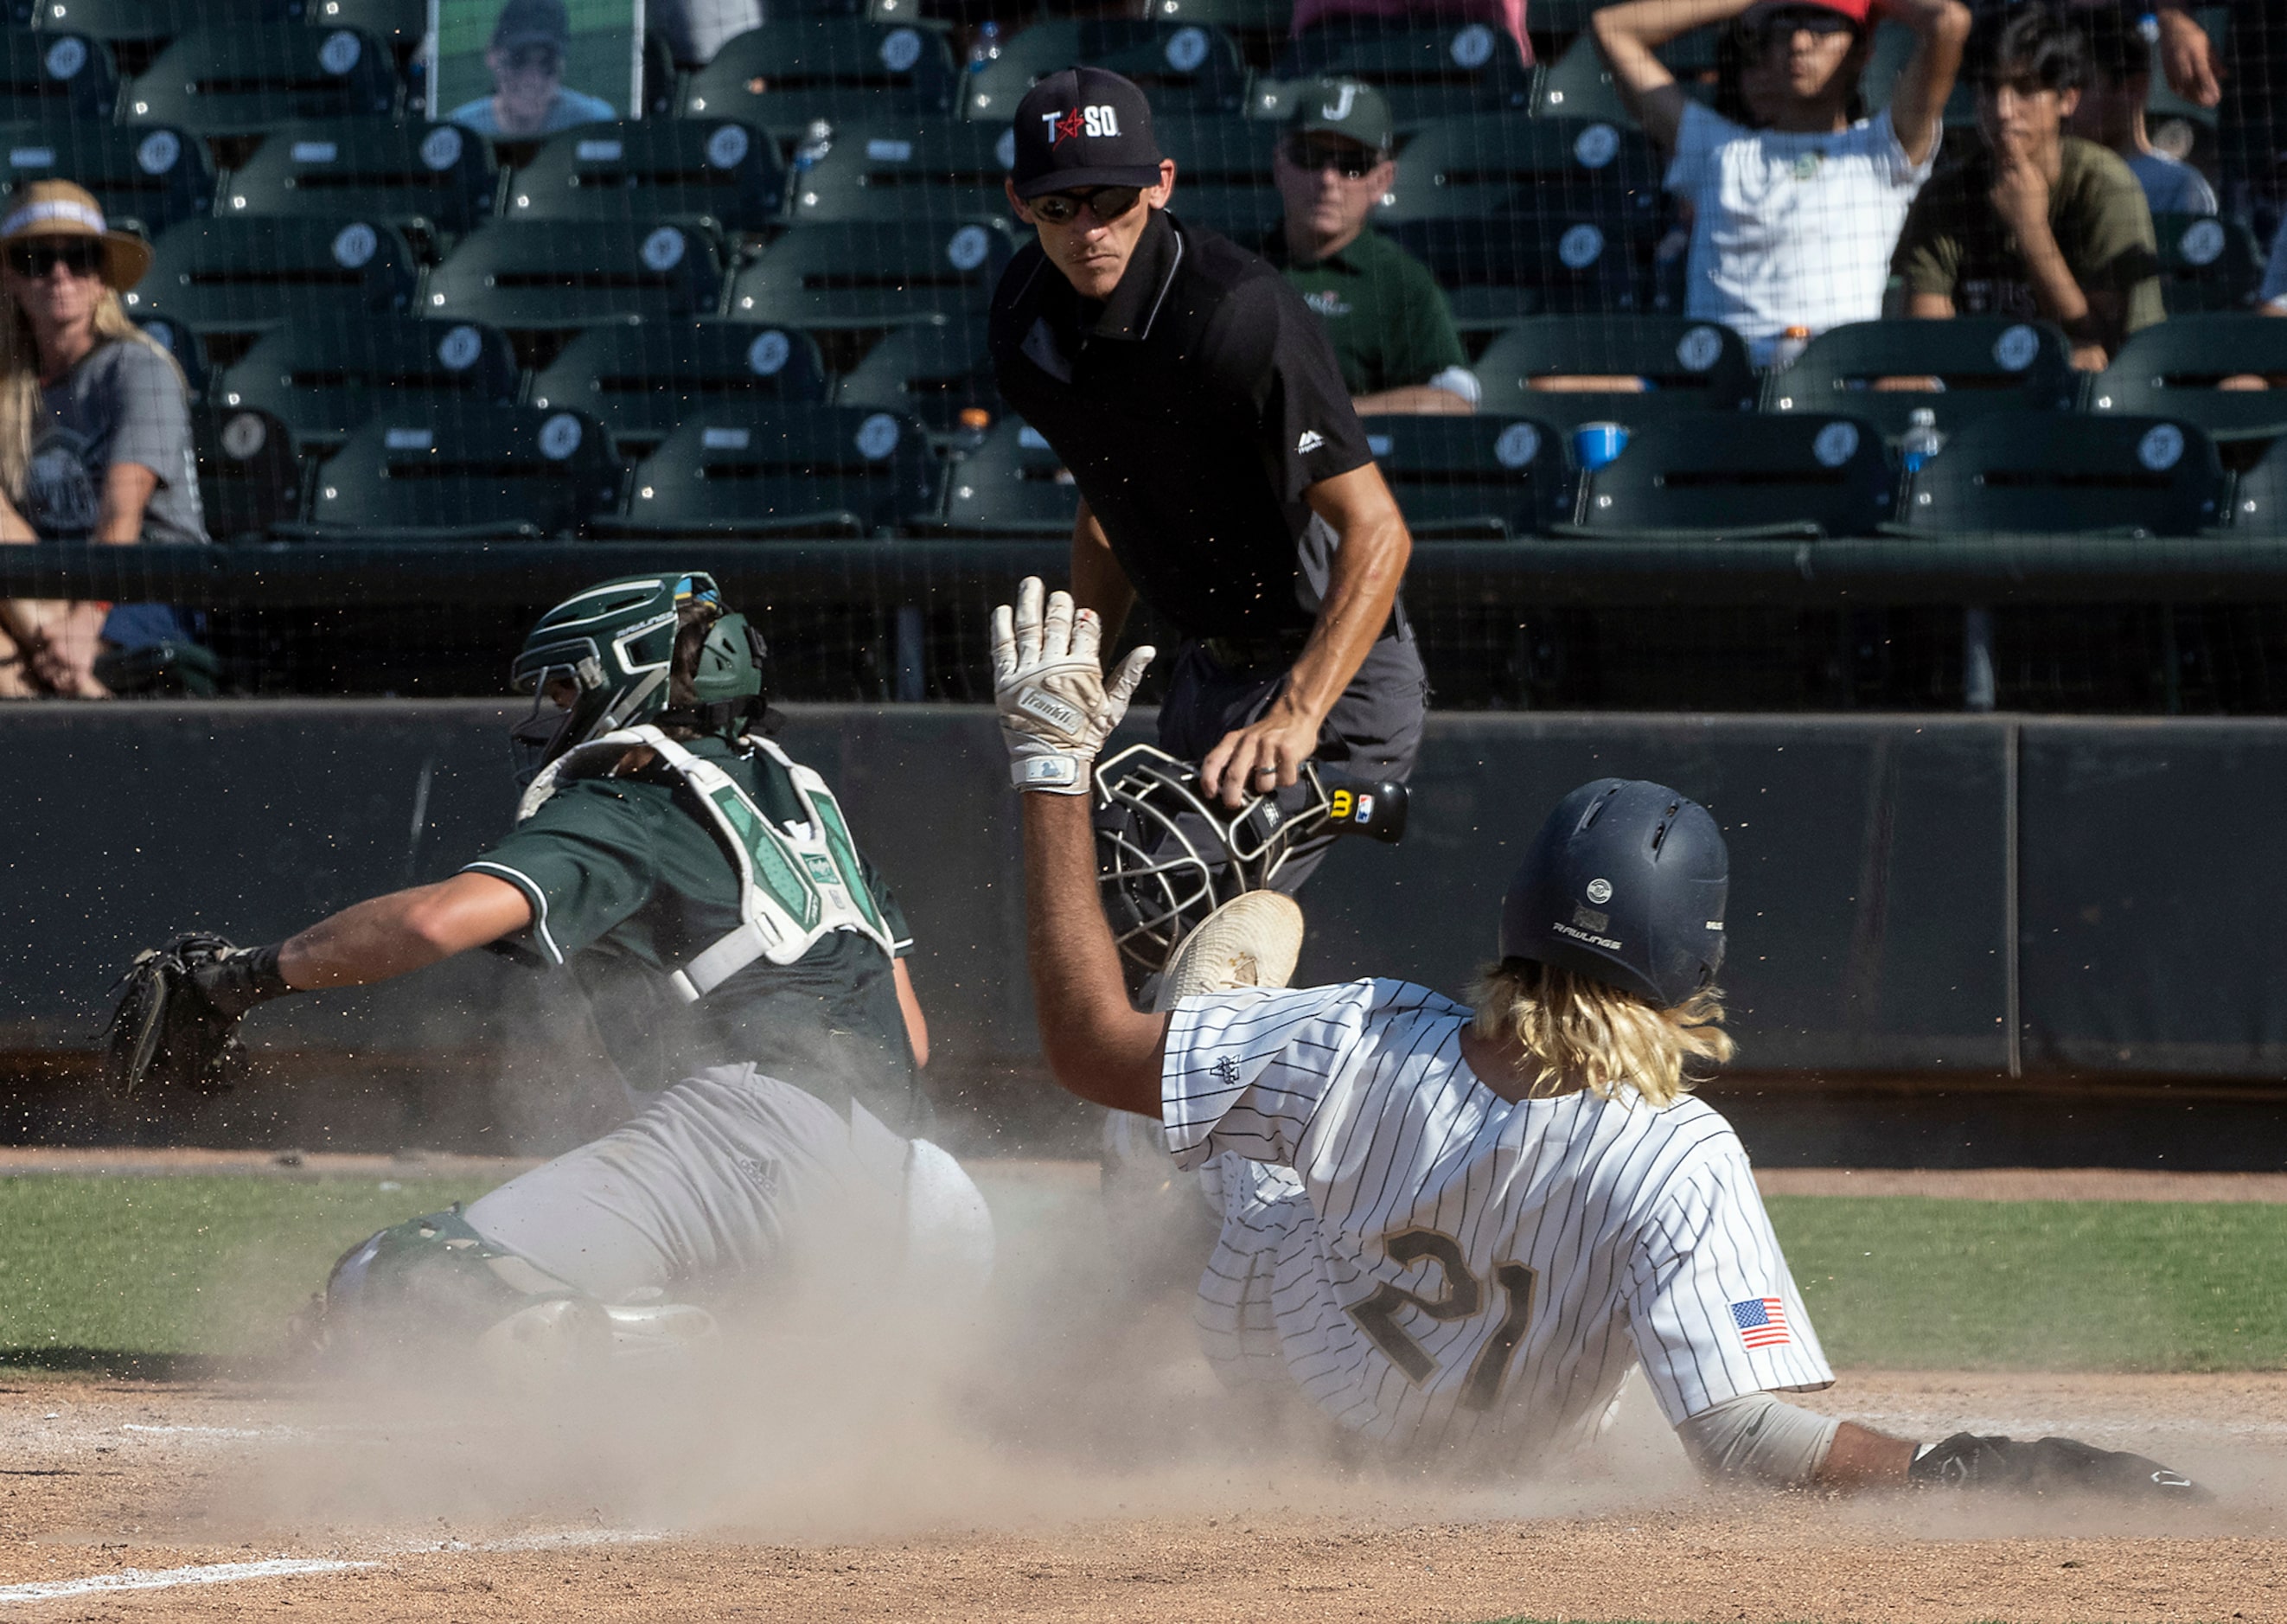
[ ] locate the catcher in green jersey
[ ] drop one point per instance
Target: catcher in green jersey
(744, 962)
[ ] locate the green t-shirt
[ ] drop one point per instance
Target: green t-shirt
(629, 882)
(1385, 314)
(1954, 244)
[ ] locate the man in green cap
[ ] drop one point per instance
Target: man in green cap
(1391, 329)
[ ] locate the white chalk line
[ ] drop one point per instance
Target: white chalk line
(295, 1567)
(165, 1579)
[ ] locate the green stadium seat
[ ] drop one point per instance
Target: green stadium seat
(2170, 369)
(2057, 472)
(1486, 478)
(1013, 484)
(1744, 475)
(324, 378)
(1497, 268)
(219, 81)
(540, 275)
(1425, 73)
(1893, 44)
(246, 275)
(932, 371)
(710, 170)
(2206, 264)
(869, 274)
(1513, 164)
(432, 180)
(799, 470)
(639, 381)
(1258, 16)
(398, 24)
(2259, 498)
(469, 472)
(907, 169)
(250, 475)
(181, 342)
(146, 179)
(1987, 364)
(151, 23)
(1578, 85)
(1222, 172)
(1181, 67)
(782, 75)
(1688, 366)
(55, 76)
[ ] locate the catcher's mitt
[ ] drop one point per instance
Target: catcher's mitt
(176, 1023)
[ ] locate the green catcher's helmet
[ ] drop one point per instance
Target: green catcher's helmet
(615, 644)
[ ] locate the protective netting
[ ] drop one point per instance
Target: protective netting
(472, 272)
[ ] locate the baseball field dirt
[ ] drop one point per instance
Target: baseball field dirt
(1077, 1461)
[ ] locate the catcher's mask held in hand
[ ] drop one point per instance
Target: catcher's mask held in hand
(1166, 855)
(602, 660)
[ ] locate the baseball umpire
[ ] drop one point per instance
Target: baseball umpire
(1454, 1228)
(705, 892)
(1223, 477)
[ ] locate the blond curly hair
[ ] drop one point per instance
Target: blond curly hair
(1582, 1033)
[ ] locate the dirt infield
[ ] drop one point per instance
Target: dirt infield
(112, 1484)
(1089, 1468)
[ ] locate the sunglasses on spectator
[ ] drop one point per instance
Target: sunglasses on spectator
(1107, 204)
(535, 59)
(1793, 20)
(1347, 159)
(82, 256)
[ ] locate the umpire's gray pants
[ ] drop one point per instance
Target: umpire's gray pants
(732, 1182)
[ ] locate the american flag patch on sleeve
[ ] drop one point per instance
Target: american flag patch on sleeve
(1761, 1322)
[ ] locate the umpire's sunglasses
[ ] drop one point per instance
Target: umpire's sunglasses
(1107, 204)
(80, 256)
(1347, 159)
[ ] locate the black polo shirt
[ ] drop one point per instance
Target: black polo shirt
(1193, 407)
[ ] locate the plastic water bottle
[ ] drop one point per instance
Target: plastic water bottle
(817, 141)
(1922, 441)
(1790, 347)
(986, 48)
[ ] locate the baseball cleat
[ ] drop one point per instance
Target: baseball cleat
(1252, 940)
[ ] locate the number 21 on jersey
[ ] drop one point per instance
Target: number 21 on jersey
(1461, 1296)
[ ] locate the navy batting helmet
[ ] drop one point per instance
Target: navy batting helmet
(1624, 885)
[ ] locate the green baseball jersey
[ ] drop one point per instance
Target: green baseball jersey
(1384, 314)
(628, 881)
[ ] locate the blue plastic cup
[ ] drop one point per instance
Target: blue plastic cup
(1596, 444)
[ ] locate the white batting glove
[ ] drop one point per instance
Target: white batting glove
(1048, 685)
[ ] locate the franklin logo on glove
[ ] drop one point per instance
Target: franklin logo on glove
(1057, 708)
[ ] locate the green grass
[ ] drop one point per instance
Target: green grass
(1931, 1285)
(132, 1275)
(159, 1274)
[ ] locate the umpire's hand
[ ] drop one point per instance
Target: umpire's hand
(1262, 757)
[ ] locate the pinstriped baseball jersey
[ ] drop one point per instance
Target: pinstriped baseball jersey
(1434, 1265)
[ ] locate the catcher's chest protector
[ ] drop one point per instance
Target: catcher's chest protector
(796, 883)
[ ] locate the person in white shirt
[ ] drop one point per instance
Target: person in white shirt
(1454, 1230)
(1796, 197)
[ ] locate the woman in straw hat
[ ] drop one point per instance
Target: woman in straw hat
(95, 429)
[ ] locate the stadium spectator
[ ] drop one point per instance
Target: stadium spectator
(2272, 301)
(2039, 223)
(1392, 331)
(95, 430)
(1506, 15)
(2111, 114)
(2246, 82)
(1796, 195)
(527, 59)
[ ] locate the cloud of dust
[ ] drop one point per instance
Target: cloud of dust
(1072, 1391)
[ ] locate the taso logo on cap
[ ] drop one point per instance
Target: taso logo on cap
(1100, 119)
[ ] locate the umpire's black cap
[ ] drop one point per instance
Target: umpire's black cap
(1625, 884)
(1083, 127)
